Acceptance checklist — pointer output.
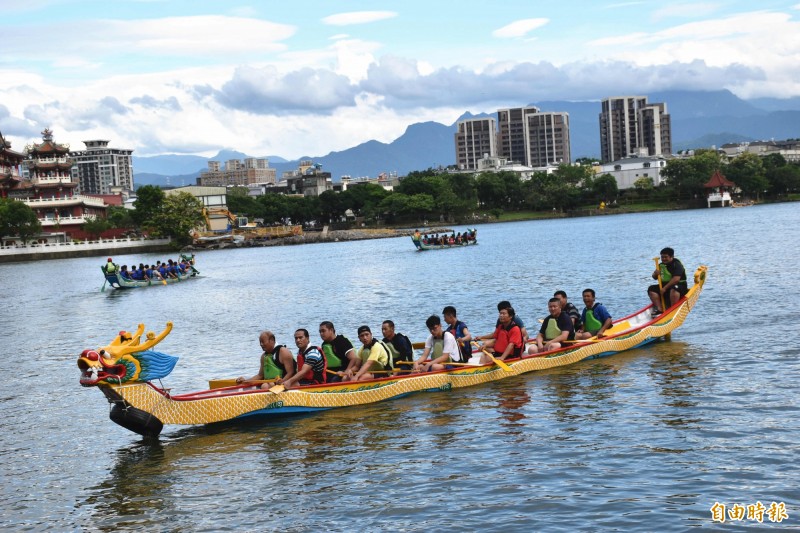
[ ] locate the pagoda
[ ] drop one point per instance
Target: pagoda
(719, 189)
(9, 167)
(50, 190)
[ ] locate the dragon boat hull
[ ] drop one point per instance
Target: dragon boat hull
(422, 247)
(152, 407)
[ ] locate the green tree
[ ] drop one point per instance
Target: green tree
(120, 217)
(330, 206)
(783, 179)
(747, 172)
(491, 189)
(148, 204)
(96, 226)
(644, 184)
(17, 219)
(180, 213)
(605, 187)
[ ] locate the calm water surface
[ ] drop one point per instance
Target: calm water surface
(646, 440)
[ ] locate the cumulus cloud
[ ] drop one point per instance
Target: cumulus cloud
(357, 17)
(401, 85)
(149, 102)
(266, 91)
(519, 28)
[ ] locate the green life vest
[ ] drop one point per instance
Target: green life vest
(271, 370)
(592, 325)
(665, 274)
(333, 361)
(552, 330)
(111, 268)
(438, 349)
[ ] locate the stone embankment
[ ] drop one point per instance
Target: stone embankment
(315, 236)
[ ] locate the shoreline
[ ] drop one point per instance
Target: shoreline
(109, 247)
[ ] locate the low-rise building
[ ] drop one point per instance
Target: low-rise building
(250, 171)
(627, 171)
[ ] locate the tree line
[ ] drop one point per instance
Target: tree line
(433, 194)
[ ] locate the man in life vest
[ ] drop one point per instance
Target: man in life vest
(400, 348)
(373, 357)
(490, 339)
(459, 331)
(441, 348)
(595, 319)
(110, 267)
(673, 282)
(276, 361)
(569, 308)
(311, 366)
(506, 340)
(338, 349)
(556, 329)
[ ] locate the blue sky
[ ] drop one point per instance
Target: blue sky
(309, 77)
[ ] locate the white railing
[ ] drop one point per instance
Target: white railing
(68, 200)
(66, 220)
(51, 179)
(102, 244)
(719, 197)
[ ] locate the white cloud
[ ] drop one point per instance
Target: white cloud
(685, 10)
(357, 17)
(195, 36)
(519, 28)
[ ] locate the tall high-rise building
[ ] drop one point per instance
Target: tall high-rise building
(99, 168)
(530, 137)
(475, 138)
(548, 139)
(630, 126)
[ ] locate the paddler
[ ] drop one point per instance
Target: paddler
(277, 362)
(673, 285)
(595, 319)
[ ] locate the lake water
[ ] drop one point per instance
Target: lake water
(646, 440)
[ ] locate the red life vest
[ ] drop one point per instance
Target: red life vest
(311, 376)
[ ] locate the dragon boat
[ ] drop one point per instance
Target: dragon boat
(126, 369)
(118, 282)
(422, 245)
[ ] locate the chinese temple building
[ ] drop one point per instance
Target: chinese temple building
(719, 190)
(9, 167)
(50, 191)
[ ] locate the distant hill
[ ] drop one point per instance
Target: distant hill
(699, 120)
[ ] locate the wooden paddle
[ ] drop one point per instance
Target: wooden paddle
(660, 286)
(496, 361)
(220, 383)
(103, 288)
(668, 336)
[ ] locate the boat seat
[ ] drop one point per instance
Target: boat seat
(619, 327)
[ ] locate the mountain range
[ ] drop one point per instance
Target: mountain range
(699, 120)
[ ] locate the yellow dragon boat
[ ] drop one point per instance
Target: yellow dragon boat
(125, 371)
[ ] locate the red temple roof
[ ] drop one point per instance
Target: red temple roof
(718, 180)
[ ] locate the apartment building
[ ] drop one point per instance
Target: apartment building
(474, 139)
(532, 138)
(100, 169)
(250, 171)
(632, 127)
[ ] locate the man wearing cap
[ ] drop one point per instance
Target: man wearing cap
(373, 357)
(110, 267)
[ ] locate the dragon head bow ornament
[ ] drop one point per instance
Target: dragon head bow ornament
(126, 359)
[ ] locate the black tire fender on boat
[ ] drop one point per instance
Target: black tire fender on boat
(136, 420)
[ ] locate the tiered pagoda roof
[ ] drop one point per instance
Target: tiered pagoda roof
(48, 146)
